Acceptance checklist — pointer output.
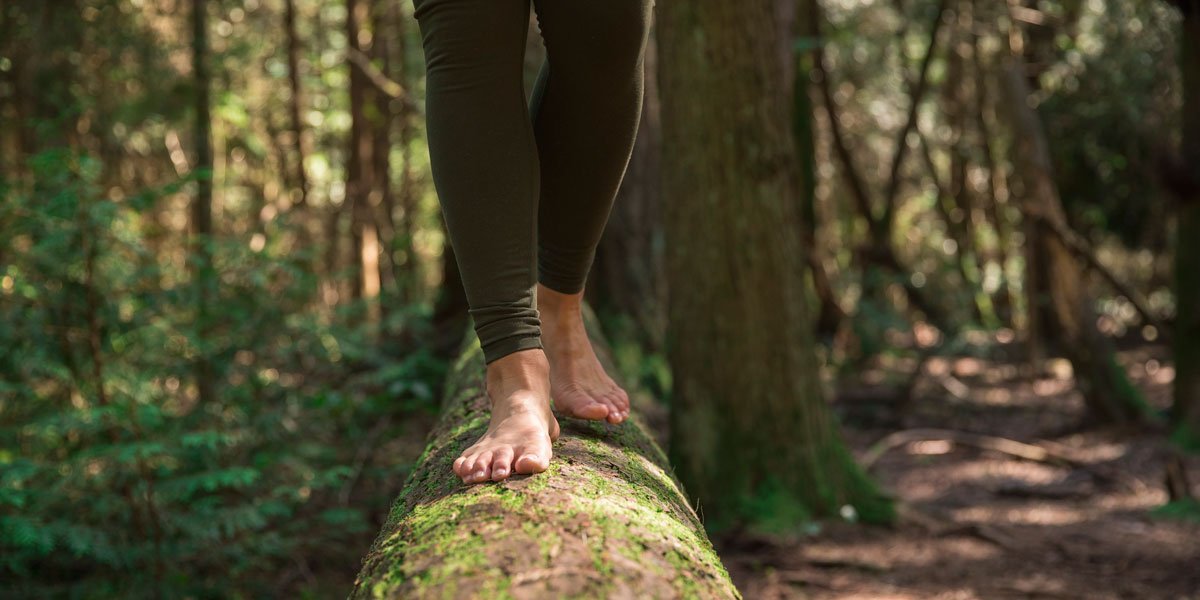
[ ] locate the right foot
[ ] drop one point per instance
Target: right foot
(522, 429)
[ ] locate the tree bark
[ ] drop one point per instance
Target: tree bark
(1185, 413)
(1110, 396)
(752, 436)
(607, 520)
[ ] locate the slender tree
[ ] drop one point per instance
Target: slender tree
(830, 314)
(1185, 413)
(752, 436)
(1105, 386)
(202, 221)
(296, 101)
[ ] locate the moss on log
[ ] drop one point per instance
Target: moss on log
(607, 520)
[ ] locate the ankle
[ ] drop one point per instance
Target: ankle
(522, 370)
(558, 303)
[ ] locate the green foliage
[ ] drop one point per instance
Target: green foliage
(1186, 438)
(1182, 510)
(115, 480)
(1107, 100)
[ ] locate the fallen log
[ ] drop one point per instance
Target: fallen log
(607, 520)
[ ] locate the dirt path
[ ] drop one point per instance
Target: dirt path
(987, 524)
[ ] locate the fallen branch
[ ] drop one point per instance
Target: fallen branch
(975, 440)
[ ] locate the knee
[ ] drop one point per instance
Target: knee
(484, 37)
(597, 33)
(625, 29)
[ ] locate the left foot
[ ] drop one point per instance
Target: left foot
(579, 385)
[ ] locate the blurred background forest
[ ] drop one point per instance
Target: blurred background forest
(227, 306)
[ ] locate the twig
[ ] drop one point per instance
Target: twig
(984, 442)
(382, 82)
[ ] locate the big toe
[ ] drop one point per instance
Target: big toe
(532, 462)
(582, 406)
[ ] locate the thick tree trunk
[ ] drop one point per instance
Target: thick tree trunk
(607, 520)
(1105, 386)
(752, 436)
(1186, 410)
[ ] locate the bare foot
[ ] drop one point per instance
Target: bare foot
(522, 429)
(578, 383)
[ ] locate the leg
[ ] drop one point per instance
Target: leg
(485, 170)
(586, 105)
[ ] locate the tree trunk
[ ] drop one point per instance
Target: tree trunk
(1110, 396)
(363, 191)
(752, 436)
(201, 208)
(296, 101)
(406, 267)
(450, 307)
(382, 205)
(607, 520)
(830, 313)
(1185, 413)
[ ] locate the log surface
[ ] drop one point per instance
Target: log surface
(607, 520)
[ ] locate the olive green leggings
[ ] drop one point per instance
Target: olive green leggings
(526, 191)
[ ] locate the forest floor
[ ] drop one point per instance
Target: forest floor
(1075, 522)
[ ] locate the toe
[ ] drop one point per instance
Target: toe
(466, 470)
(532, 462)
(458, 466)
(622, 400)
(483, 467)
(583, 406)
(502, 463)
(615, 413)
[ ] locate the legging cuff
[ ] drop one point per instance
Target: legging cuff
(565, 272)
(498, 349)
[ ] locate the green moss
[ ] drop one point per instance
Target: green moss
(775, 509)
(1182, 510)
(539, 482)
(547, 539)
(1186, 438)
(1131, 398)
(478, 422)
